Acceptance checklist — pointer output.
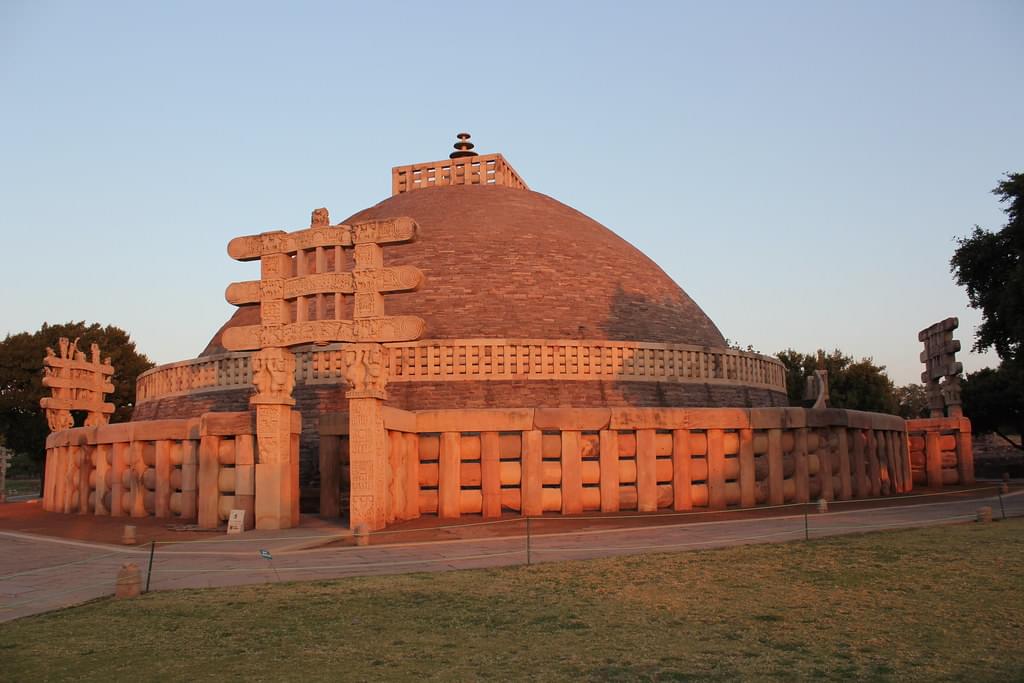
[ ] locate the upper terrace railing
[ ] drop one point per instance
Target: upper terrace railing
(488, 169)
(489, 360)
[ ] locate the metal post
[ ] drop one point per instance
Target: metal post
(1001, 508)
(149, 570)
(807, 533)
(528, 540)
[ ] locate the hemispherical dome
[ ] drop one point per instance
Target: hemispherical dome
(510, 263)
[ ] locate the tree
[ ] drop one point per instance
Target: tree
(856, 385)
(22, 421)
(991, 266)
(994, 402)
(911, 401)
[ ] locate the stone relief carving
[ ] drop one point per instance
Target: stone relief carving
(77, 382)
(320, 218)
(273, 373)
(364, 367)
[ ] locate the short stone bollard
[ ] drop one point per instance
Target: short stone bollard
(362, 534)
(129, 581)
(822, 505)
(985, 514)
(128, 537)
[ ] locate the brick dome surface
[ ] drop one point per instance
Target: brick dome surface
(511, 263)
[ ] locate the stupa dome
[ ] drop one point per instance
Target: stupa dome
(526, 302)
(502, 262)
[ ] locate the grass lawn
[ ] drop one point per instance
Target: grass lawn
(930, 604)
(17, 487)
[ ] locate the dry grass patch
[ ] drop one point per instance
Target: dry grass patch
(928, 604)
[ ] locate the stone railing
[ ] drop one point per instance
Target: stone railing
(508, 359)
(195, 469)
(940, 451)
(573, 460)
(489, 360)
(488, 169)
(209, 373)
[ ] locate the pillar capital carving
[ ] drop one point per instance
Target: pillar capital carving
(273, 375)
(365, 371)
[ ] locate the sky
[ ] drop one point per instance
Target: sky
(801, 169)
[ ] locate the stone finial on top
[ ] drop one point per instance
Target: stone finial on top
(463, 148)
(320, 218)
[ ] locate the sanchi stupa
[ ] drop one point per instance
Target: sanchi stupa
(471, 347)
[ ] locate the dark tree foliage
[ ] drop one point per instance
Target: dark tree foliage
(994, 401)
(856, 385)
(22, 422)
(911, 401)
(990, 265)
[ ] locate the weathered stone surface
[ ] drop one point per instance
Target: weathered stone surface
(129, 581)
(590, 419)
(511, 419)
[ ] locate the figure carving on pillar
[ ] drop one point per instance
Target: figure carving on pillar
(59, 420)
(273, 375)
(950, 390)
(95, 419)
(364, 369)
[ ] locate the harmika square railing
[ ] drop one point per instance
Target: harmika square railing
(488, 169)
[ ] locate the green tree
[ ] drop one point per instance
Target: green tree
(911, 401)
(990, 265)
(22, 421)
(994, 401)
(856, 385)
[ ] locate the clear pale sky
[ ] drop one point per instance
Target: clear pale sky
(800, 168)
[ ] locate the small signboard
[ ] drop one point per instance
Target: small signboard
(265, 554)
(236, 522)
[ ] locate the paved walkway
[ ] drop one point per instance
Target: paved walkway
(38, 574)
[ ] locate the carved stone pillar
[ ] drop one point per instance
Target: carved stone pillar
(277, 481)
(368, 466)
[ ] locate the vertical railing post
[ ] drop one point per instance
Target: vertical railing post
(528, 558)
(149, 570)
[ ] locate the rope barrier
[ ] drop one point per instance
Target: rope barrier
(59, 566)
(8, 607)
(889, 525)
(572, 518)
(664, 546)
(346, 534)
(425, 560)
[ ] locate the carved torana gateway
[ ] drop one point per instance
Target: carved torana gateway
(77, 383)
(941, 376)
(301, 297)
